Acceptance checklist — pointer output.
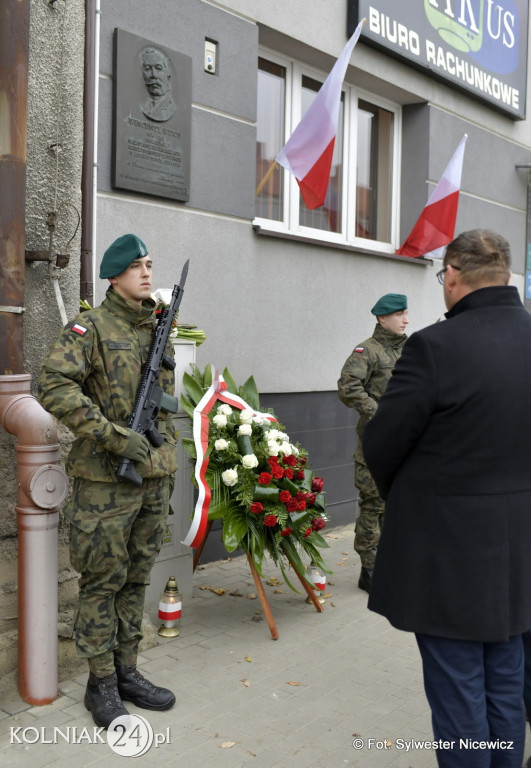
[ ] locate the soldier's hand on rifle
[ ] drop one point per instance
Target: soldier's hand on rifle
(136, 448)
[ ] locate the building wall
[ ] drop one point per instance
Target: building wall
(289, 312)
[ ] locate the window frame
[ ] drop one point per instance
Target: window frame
(289, 225)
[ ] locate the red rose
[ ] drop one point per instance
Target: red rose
(299, 475)
(318, 524)
(310, 498)
(292, 505)
(291, 460)
(288, 473)
(302, 460)
(284, 496)
(300, 495)
(257, 507)
(272, 460)
(307, 532)
(264, 478)
(317, 484)
(277, 472)
(285, 532)
(270, 521)
(301, 505)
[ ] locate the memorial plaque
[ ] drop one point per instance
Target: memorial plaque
(152, 118)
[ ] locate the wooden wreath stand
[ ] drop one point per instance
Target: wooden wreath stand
(260, 587)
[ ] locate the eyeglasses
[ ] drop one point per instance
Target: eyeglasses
(440, 273)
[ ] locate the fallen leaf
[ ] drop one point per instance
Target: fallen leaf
(292, 682)
(331, 536)
(280, 592)
(331, 584)
(235, 593)
(273, 582)
(340, 563)
(327, 594)
(345, 553)
(333, 604)
(245, 682)
(247, 658)
(251, 596)
(211, 589)
(227, 744)
(257, 618)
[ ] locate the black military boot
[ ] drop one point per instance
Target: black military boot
(365, 579)
(103, 700)
(134, 687)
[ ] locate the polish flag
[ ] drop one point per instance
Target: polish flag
(308, 152)
(435, 226)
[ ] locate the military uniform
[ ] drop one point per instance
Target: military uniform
(89, 382)
(364, 379)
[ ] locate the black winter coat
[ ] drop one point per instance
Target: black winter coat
(449, 448)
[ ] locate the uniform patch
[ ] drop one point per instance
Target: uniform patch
(359, 349)
(78, 329)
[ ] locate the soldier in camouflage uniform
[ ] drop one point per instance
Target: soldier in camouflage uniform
(89, 381)
(363, 381)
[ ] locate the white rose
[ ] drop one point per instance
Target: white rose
(224, 409)
(246, 416)
(282, 436)
(272, 447)
(221, 445)
(294, 450)
(245, 429)
(260, 420)
(249, 461)
(285, 448)
(220, 420)
(273, 434)
(229, 477)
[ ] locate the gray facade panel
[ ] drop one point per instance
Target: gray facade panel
(223, 165)
(415, 152)
(183, 27)
(489, 162)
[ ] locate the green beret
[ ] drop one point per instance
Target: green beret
(120, 254)
(391, 302)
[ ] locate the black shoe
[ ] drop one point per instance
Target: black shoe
(134, 687)
(103, 700)
(365, 579)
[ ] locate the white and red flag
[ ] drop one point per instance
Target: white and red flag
(436, 224)
(308, 152)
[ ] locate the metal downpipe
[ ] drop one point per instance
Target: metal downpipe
(42, 488)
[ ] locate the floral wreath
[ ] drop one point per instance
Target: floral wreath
(250, 475)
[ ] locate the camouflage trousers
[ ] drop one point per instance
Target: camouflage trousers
(370, 518)
(115, 536)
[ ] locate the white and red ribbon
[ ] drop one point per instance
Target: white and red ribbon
(170, 611)
(200, 429)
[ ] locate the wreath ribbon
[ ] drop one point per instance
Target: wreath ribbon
(200, 430)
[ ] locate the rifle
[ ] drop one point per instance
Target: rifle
(150, 398)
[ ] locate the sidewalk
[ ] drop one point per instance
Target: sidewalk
(331, 679)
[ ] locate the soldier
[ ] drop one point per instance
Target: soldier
(363, 381)
(89, 381)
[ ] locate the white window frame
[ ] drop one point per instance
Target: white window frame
(292, 107)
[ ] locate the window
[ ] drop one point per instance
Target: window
(362, 196)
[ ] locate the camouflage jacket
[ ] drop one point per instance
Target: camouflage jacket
(367, 371)
(89, 382)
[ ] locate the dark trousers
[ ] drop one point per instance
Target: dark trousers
(475, 691)
(526, 639)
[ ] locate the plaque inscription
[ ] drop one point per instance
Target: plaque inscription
(152, 118)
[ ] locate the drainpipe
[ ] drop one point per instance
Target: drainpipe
(90, 162)
(42, 488)
(14, 54)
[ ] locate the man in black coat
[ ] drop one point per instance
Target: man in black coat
(449, 450)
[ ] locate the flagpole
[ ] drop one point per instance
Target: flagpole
(262, 184)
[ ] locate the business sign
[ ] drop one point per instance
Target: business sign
(477, 45)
